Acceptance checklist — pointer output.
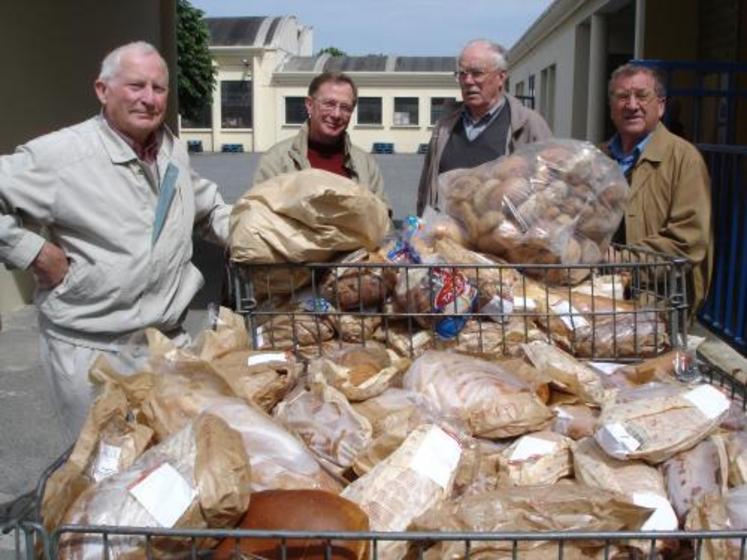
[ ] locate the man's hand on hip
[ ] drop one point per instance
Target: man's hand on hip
(50, 266)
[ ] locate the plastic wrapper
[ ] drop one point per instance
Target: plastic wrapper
(655, 421)
(736, 447)
(439, 296)
(298, 510)
(417, 476)
(598, 327)
(536, 459)
(567, 373)
(405, 338)
(262, 378)
(356, 328)
(698, 471)
(306, 216)
(478, 470)
(393, 414)
(353, 288)
(198, 478)
(279, 459)
(574, 421)
(303, 323)
(554, 202)
(495, 283)
(564, 506)
(323, 418)
(108, 443)
(362, 372)
(491, 401)
(493, 340)
(641, 483)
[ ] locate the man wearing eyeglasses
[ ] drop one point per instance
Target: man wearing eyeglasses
(322, 142)
(669, 207)
(486, 125)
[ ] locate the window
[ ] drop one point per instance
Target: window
(236, 104)
(531, 91)
(437, 107)
(203, 119)
(369, 110)
(519, 89)
(405, 111)
(547, 94)
(295, 110)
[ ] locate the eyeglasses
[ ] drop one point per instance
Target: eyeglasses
(476, 75)
(329, 106)
(643, 96)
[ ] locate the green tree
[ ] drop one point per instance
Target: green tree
(195, 73)
(333, 51)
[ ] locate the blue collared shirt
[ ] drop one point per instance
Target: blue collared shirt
(626, 161)
(473, 128)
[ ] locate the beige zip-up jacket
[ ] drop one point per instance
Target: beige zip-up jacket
(291, 155)
(85, 184)
(526, 126)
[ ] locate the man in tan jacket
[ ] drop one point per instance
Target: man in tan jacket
(669, 207)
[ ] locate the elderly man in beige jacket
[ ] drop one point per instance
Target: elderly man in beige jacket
(120, 202)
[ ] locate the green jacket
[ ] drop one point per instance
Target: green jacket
(291, 155)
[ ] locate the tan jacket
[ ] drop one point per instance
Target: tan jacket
(527, 126)
(291, 155)
(669, 209)
(85, 184)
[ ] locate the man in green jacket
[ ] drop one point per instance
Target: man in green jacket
(323, 142)
(669, 206)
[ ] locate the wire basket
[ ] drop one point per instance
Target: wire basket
(630, 307)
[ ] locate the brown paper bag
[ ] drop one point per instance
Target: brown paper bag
(306, 216)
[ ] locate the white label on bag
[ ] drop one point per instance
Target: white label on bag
(107, 461)
(165, 494)
(498, 306)
(569, 315)
(258, 359)
(260, 337)
(709, 400)
(607, 368)
(663, 517)
(437, 457)
(524, 304)
(530, 446)
(622, 436)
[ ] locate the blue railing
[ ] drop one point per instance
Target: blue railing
(725, 308)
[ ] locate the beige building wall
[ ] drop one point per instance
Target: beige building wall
(64, 42)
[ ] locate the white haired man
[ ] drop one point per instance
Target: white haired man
(487, 124)
(119, 200)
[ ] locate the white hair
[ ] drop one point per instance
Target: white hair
(496, 50)
(111, 64)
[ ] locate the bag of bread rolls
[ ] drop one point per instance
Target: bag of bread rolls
(554, 202)
(492, 340)
(574, 421)
(486, 397)
(303, 323)
(352, 287)
(405, 337)
(299, 510)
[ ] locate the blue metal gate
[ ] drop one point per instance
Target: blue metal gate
(725, 309)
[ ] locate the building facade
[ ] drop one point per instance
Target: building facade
(565, 58)
(264, 67)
